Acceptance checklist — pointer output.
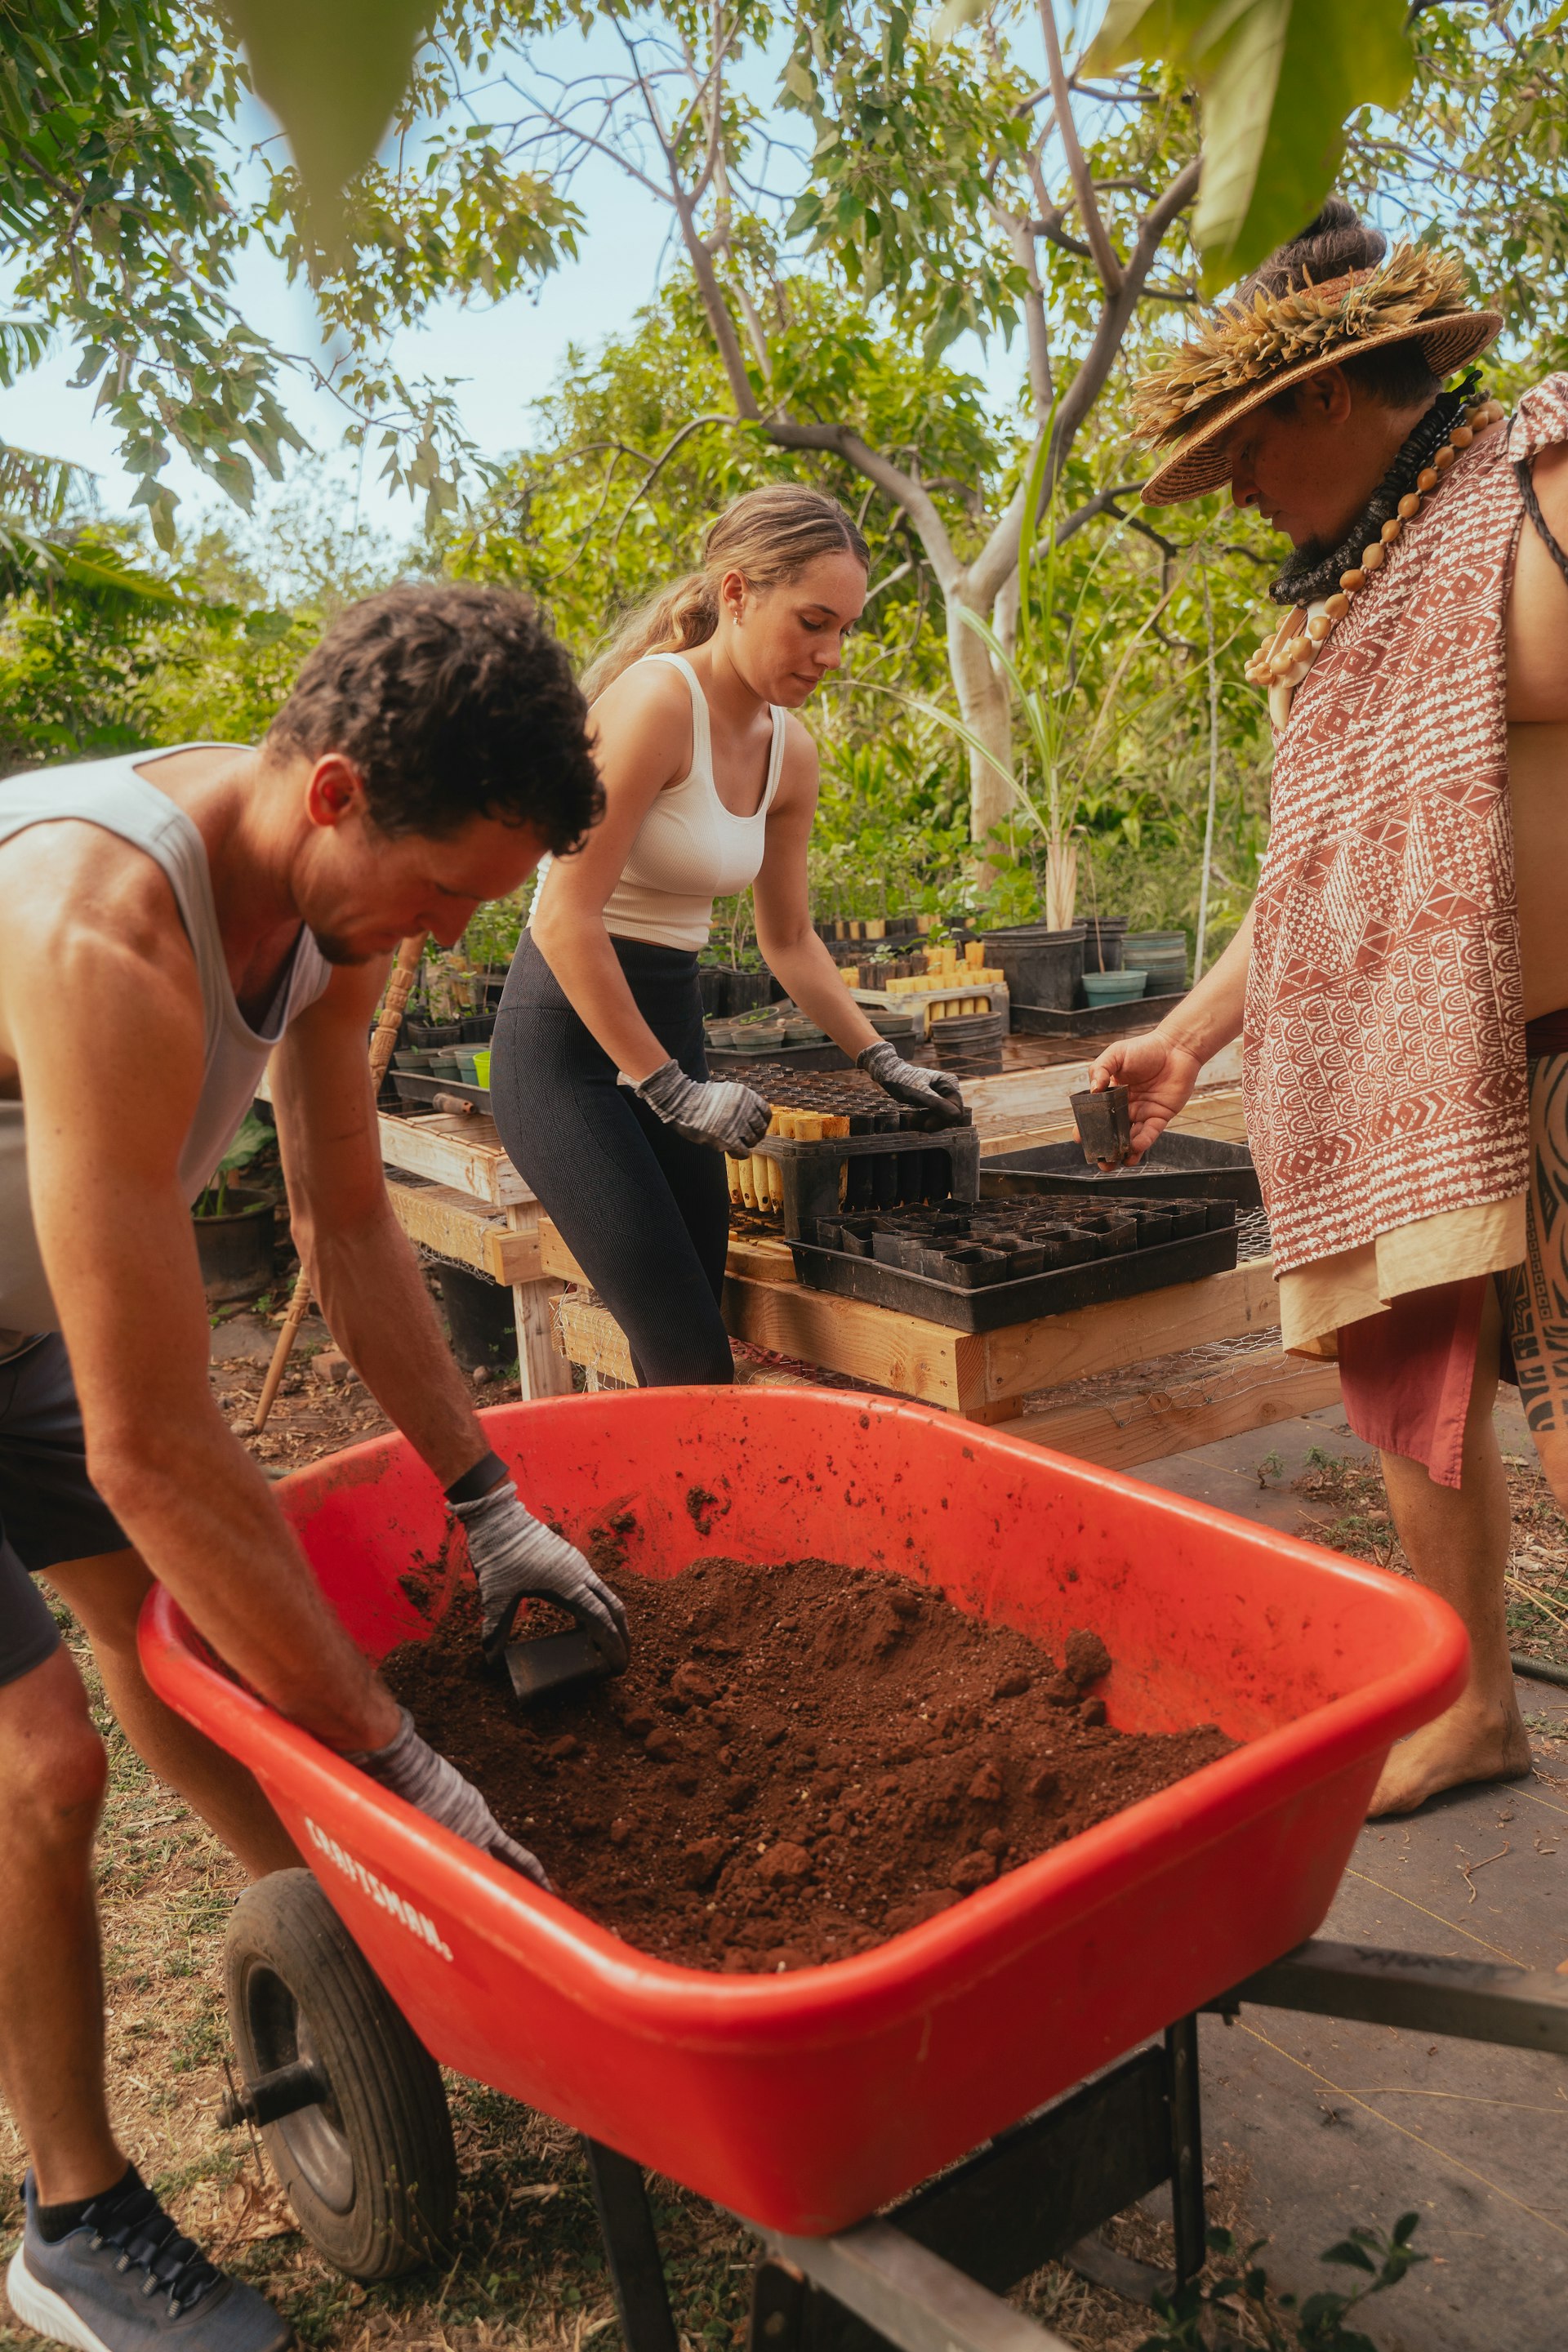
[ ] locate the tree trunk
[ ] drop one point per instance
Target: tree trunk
(984, 704)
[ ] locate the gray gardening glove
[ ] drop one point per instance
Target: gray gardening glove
(411, 1769)
(513, 1555)
(717, 1111)
(906, 1083)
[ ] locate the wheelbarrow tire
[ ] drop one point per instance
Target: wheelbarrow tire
(371, 2170)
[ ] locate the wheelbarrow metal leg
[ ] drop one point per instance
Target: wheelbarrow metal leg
(631, 2249)
(909, 2294)
(1187, 2147)
(779, 2299)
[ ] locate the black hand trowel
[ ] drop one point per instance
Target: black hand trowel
(550, 1661)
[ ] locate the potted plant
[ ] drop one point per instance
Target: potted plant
(236, 1227)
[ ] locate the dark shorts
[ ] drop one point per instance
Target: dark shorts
(49, 1510)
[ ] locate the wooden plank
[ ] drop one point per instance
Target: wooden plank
(555, 1258)
(962, 1370)
(1059, 1348)
(455, 1225)
(587, 1334)
(848, 1335)
(540, 1367)
(464, 1154)
(754, 1256)
(758, 1258)
(1145, 1424)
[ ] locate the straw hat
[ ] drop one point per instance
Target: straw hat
(1250, 352)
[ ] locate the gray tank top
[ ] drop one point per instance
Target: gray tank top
(110, 793)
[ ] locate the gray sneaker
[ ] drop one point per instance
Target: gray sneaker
(124, 2280)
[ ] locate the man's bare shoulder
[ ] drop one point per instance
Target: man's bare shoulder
(95, 917)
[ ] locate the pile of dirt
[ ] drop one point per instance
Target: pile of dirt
(799, 1762)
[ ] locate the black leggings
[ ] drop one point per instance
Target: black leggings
(645, 1213)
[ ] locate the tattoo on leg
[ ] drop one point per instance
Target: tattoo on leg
(1535, 1294)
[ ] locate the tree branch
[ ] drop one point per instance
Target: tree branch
(657, 467)
(890, 579)
(1094, 228)
(1102, 503)
(1000, 552)
(1036, 338)
(901, 488)
(1049, 226)
(721, 324)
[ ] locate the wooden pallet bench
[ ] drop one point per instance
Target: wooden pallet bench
(1168, 1402)
(453, 1188)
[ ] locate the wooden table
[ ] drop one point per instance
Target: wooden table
(1170, 1401)
(453, 1188)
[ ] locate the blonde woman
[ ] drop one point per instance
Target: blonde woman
(598, 1081)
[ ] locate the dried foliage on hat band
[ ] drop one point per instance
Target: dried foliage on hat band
(1243, 344)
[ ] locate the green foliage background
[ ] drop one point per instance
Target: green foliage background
(852, 292)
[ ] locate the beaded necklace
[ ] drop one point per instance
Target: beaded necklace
(1283, 659)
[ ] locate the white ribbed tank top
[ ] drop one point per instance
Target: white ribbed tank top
(690, 848)
(110, 793)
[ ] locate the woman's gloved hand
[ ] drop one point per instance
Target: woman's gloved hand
(514, 1554)
(906, 1083)
(411, 1769)
(716, 1111)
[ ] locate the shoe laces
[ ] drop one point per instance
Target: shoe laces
(146, 2239)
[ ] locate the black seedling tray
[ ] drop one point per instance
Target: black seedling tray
(969, 1301)
(811, 1170)
(724, 1064)
(1092, 1020)
(1180, 1166)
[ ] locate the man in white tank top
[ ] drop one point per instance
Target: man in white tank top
(165, 922)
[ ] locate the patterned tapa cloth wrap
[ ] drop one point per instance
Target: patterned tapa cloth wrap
(1383, 1068)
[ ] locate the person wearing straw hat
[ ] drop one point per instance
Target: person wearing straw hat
(1400, 981)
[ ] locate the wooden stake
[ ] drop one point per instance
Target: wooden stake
(381, 1045)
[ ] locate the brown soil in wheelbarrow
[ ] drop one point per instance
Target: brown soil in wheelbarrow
(799, 1761)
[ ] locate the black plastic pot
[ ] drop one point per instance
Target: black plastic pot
(725, 989)
(236, 1250)
(435, 1032)
(1040, 967)
(478, 1028)
(1103, 938)
(480, 1317)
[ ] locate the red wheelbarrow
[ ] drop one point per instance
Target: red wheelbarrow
(804, 2102)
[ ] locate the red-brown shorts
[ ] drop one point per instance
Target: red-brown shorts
(1405, 1375)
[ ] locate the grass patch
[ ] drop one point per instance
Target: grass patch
(1352, 1502)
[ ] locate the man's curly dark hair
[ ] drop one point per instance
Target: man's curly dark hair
(451, 699)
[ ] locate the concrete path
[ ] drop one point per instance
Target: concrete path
(1339, 2126)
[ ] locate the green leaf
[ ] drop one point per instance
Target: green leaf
(954, 15)
(100, 575)
(1279, 80)
(1352, 2256)
(333, 76)
(252, 1139)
